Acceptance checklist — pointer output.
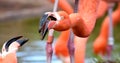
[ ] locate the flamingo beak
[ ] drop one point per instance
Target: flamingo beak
(21, 42)
(46, 18)
(43, 26)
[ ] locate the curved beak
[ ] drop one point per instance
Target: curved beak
(7, 44)
(43, 27)
(21, 42)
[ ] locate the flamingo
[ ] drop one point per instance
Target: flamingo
(10, 48)
(99, 12)
(100, 43)
(86, 24)
(80, 44)
(62, 40)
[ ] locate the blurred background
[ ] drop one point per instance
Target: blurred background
(21, 17)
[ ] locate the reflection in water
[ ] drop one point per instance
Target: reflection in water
(34, 52)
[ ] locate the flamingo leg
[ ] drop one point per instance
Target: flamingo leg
(49, 49)
(110, 38)
(71, 47)
(49, 52)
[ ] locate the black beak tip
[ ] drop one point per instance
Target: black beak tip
(7, 44)
(43, 26)
(22, 41)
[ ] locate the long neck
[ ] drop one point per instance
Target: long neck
(88, 12)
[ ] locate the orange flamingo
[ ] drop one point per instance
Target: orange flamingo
(60, 42)
(62, 52)
(9, 50)
(101, 11)
(100, 44)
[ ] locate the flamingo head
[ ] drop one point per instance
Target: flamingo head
(44, 22)
(15, 39)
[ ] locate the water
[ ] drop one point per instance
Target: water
(34, 52)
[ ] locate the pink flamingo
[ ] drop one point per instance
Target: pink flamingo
(82, 23)
(10, 48)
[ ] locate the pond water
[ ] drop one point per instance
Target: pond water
(34, 53)
(34, 50)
